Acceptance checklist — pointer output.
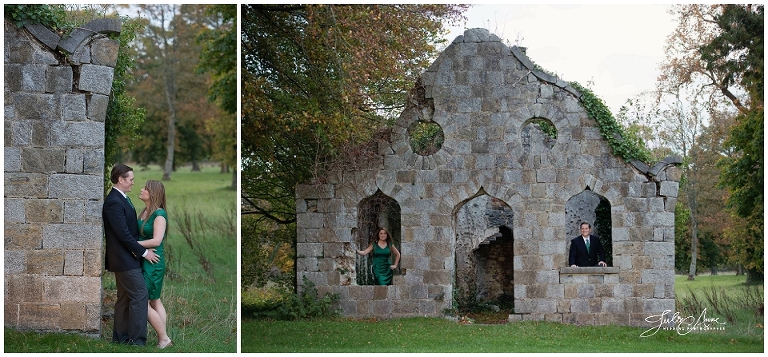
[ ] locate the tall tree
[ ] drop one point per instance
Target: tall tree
(738, 51)
(701, 59)
(318, 79)
(168, 86)
(219, 57)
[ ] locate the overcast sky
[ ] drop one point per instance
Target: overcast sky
(618, 47)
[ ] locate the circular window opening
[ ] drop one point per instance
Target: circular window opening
(426, 137)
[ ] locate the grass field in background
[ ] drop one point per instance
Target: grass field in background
(442, 335)
(200, 289)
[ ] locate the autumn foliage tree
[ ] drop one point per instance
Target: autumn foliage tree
(316, 80)
(716, 53)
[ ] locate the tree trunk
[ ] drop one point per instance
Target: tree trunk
(171, 132)
(234, 178)
(692, 187)
(694, 248)
(195, 166)
(224, 168)
(754, 276)
(170, 96)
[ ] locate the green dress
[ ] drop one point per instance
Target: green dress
(381, 265)
(153, 273)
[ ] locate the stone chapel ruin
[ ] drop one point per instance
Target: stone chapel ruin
(492, 211)
(56, 95)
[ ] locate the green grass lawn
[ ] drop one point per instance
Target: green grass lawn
(442, 335)
(200, 289)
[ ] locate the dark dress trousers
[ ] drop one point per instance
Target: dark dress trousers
(578, 253)
(123, 258)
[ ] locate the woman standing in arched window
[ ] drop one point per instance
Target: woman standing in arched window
(382, 250)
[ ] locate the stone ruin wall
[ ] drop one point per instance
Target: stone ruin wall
(483, 95)
(56, 95)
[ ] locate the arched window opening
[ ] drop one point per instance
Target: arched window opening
(378, 210)
(594, 209)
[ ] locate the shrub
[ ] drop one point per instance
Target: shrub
(276, 303)
(306, 304)
(262, 302)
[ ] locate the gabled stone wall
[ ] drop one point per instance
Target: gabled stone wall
(487, 98)
(56, 95)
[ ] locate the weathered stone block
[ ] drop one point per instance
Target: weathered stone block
(58, 79)
(86, 133)
(668, 188)
(45, 262)
(39, 316)
(72, 236)
(12, 159)
(73, 316)
(42, 160)
(307, 264)
(66, 186)
(35, 106)
(74, 161)
(104, 52)
(33, 77)
(14, 211)
(97, 107)
(73, 262)
(44, 211)
(73, 107)
(21, 133)
(440, 277)
(92, 262)
(72, 289)
(93, 211)
(15, 262)
(23, 236)
(309, 250)
(97, 79)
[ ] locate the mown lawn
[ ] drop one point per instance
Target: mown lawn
(200, 289)
(441, 335)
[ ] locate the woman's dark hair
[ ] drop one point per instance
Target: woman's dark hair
(389, 236)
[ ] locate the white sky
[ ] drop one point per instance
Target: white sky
(618, 47)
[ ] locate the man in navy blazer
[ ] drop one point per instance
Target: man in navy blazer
(123, 258)
(579, 255)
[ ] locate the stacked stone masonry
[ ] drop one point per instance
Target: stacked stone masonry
(56, 95)
(487, 97)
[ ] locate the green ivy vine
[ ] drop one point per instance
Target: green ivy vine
(51, 16)
(624, 143)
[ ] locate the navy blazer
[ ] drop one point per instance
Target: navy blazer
(578, 253)
(121, 230)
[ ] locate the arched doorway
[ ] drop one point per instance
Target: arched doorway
(484, 254)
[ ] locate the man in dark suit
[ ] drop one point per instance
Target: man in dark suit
(586, 249)
(123, 258)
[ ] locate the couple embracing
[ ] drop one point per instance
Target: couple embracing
(135, 255)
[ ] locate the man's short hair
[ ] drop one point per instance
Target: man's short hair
(587, 223)
(119, 171)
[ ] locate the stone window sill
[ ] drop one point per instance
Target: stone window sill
(589, 270)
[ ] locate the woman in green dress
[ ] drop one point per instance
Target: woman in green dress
(382, 250)
(153, 223)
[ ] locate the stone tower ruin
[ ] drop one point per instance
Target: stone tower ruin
(56, 96)
(492, 211)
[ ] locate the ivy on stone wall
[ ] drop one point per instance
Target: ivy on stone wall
(51, 16)
(123, 117)
(624, 143)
